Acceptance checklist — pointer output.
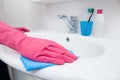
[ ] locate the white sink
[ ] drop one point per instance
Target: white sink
(80, 46)
(96, 61)
(77, 44)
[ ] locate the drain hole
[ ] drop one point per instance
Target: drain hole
(67, 39)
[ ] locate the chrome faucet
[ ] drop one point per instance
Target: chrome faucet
(72, 23)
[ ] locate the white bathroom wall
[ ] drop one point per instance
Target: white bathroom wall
(24, 13)
(2, 13)
(15, 12)
(37, 16)
(79, 8)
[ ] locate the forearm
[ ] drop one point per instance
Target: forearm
(10, 36)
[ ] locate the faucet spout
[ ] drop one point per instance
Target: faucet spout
(72, 23)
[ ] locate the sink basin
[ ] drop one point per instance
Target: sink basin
(81, 46)
(99, 58)
(77, 44)
(84, 47)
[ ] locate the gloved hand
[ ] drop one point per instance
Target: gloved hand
(36, 49)
(22, 29)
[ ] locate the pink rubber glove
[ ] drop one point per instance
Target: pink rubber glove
(23, 29)
(36, 49)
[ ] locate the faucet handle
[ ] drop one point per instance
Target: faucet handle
(73, 18)
(61, 16)
(74, 22)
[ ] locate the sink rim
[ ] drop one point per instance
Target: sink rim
(47, 71)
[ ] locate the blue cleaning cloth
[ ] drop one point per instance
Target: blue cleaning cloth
(33, 65)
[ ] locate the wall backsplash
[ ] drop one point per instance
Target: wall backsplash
(79, 8)
(34, 16)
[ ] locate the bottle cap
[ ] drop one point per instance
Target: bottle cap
(99, 11)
